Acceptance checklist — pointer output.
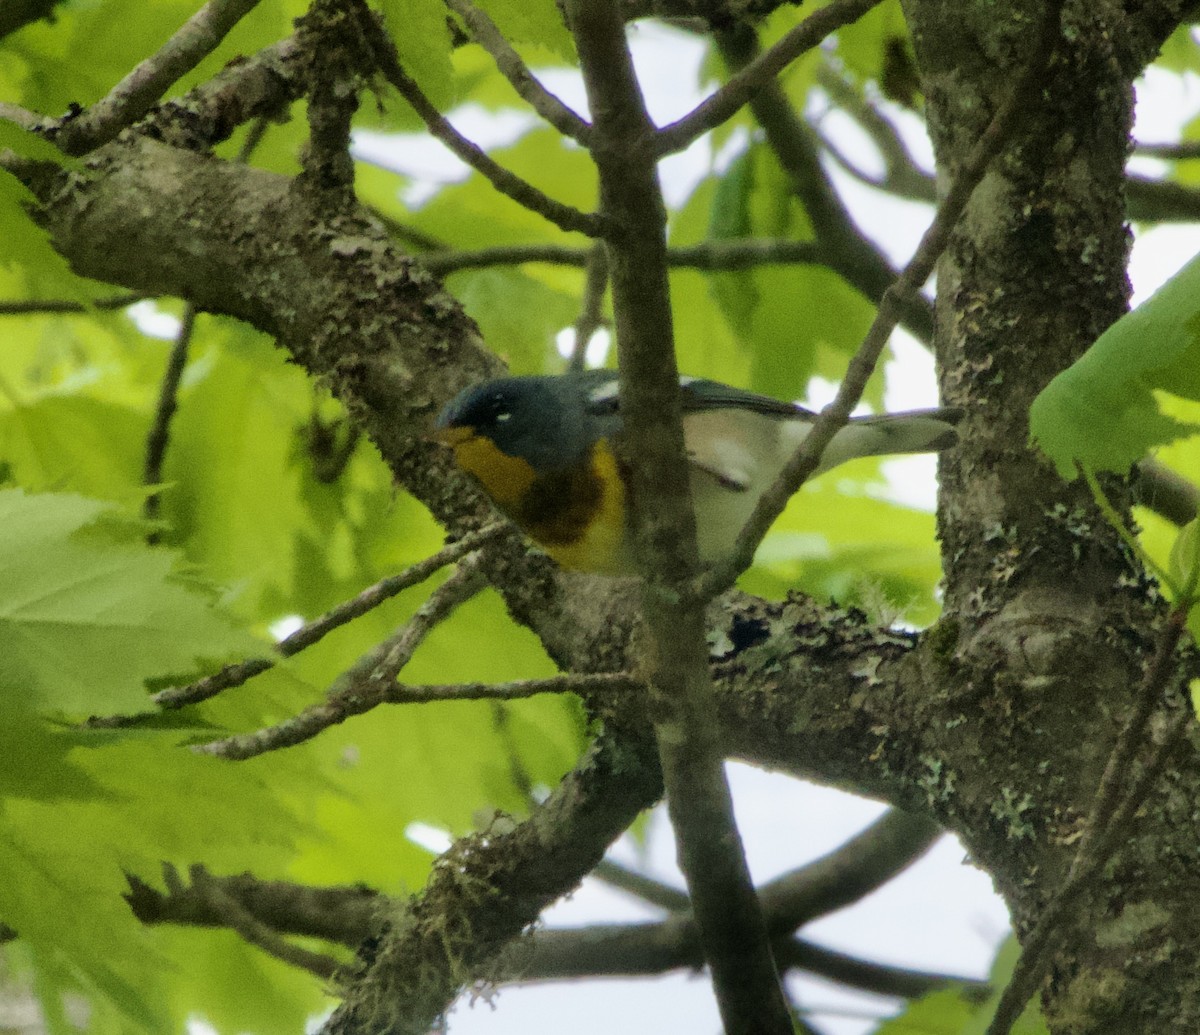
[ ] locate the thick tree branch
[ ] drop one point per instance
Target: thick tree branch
(487, 889)
(1117, 800)
(934, 241)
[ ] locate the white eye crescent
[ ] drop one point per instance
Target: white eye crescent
(502, 417)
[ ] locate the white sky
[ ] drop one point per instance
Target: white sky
(942, 914)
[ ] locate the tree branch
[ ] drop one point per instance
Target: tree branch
(346, 915)
(488, 888)
(711, 255)
(1116, 802)
(368, 683)
(240, 672)
(350, 915)
(51, 306)
(156, 440)
(851, 872)
(844, 248)
(643, 950)
(1166, 493)
(137, 93)
(524, 193)
(934, 241)
(725, 103)
(591, 312)
(484, 32)
(232, 915)
(626, 151)
(902, 176)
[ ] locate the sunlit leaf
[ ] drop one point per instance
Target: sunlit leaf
(1101, 411)
(85, 618)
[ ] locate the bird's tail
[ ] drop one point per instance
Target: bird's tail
(915, 431)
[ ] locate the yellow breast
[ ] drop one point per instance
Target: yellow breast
(576, 515)
(600, 543)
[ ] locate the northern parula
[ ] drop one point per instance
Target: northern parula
(542, 448)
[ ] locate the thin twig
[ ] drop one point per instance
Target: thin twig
(932, 244)
(1108, 822)
(581, 683)
(902, 176)
(711, 255)
(310, 633)
(168, 397)
(725, 103)
(237, 918)
(591, 312)
(1183, 151)
(655, 892)
(849, 873)
(484, 32)
(521, 191)
(36, 306)
(137, 93)
(366, 684)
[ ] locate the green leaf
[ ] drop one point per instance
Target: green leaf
(532, 21)
(785, 316)
(941, 1013)
(422, 37)
(33, 754)
(1102, 411)
(33, 145)
(519, 315)
(1030, 1022)
(233, 501)
(862, 44)
(26, 245)
(73, 442)
(86, 616)
(838, 540)
(1185, 554)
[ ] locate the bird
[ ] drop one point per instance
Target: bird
(542, 447)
